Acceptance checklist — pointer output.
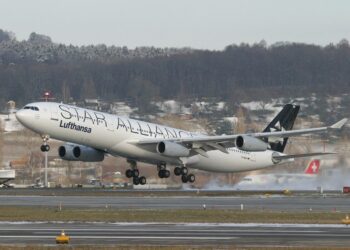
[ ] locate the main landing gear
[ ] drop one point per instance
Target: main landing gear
(185, 177)
(183, 171)
(45, 147)
(134, 173)
(162, 171)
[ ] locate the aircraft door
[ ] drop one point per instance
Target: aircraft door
(110, 124)
(54, 114)
(252, 157)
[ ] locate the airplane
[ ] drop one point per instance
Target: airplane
(90, 135)
(313, 168)
(311, 171)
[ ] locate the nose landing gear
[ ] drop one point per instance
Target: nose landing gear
(45, 147)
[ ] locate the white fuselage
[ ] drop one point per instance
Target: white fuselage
(113, 134)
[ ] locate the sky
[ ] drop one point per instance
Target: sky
(201, 24)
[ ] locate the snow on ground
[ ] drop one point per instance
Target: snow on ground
(220, 106)
(169, 106)
(255, 105)
(232, 119)
(10, 123)
(334, 99)
(274, 107)
(300, 99)
(122, 109)
(176, 107)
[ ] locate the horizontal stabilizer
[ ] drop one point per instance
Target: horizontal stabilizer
(285, 157)
(340, 124)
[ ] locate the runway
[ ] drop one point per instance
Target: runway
(273, 203)
(177, 234)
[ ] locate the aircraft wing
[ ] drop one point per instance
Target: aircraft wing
(286, 157)
(206, 143)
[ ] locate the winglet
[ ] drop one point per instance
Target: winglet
(339, 125)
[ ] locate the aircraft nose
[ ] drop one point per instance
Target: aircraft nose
(21, 115)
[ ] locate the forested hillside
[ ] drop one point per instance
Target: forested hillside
(239, 72)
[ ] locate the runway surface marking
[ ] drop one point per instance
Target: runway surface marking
(121, 237)
(294, 203)
(160, 231)
(174, 234)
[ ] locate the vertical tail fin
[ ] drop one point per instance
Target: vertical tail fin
(283, 121)
(313, 167)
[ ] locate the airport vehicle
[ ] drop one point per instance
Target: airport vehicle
(311, 171)
(62, 238)
(346, 220)
(6, 175)
(91, 134)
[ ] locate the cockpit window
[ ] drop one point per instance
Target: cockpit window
(32, 108)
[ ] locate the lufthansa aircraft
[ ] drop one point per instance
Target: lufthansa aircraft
(90, 135)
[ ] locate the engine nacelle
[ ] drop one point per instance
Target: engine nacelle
(172, 149)
(74, 152)
(248, 143)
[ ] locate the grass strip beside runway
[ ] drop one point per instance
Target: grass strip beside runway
(107, 247)
(16, 213)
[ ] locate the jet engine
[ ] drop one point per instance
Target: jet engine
(248, 143)
(172, 149)
(75, 152)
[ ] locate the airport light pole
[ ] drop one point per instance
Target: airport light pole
(46, 97)
(45, 184)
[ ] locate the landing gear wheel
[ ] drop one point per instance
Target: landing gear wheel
(142, 180)
(163, 173)
(136, 173)
(177, 171)
(184, 171)
(191, 178)
(136, 180)
(45, 148)
(129, 173)
(166, 174)
(184, 178)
